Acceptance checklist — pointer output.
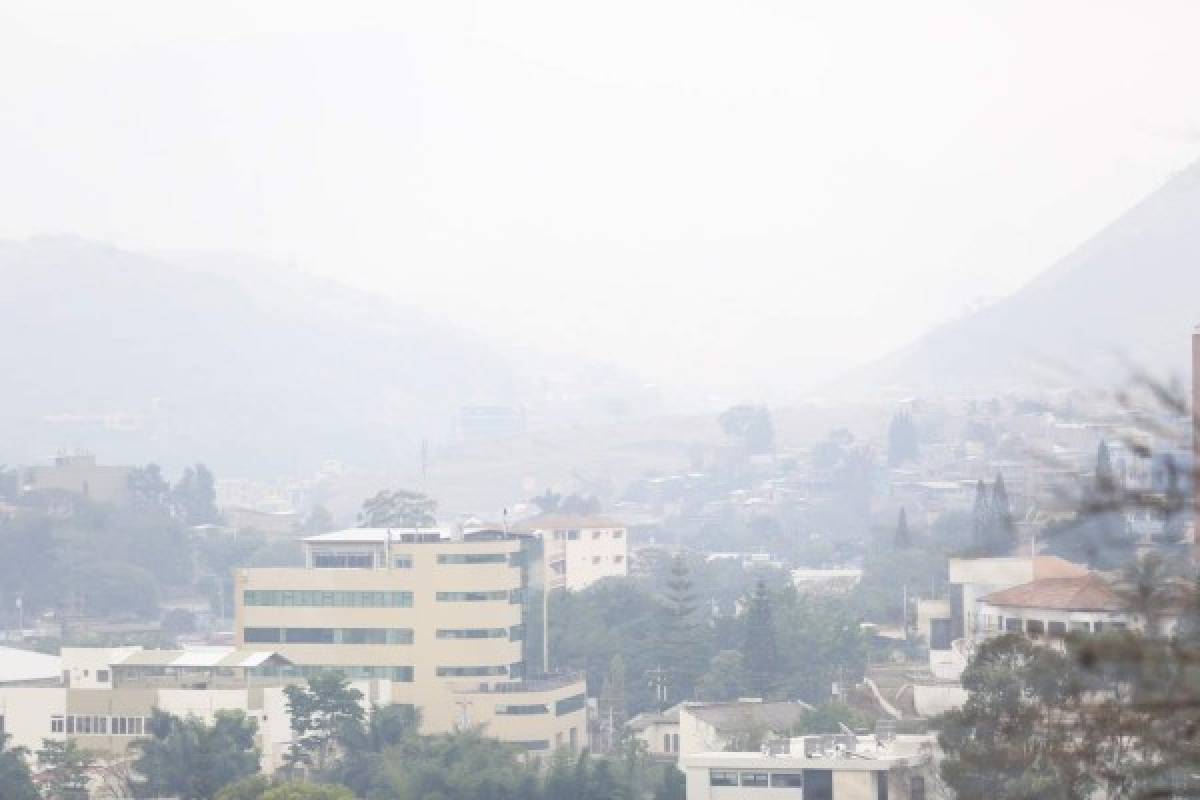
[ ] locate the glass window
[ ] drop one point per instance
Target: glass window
(471, 633)
(1012, 625)
(617, 534)
(666, 742)
(881, 786)
(533, 744)
(101, 724)
(1035, 627)
(472, 558)
(472, 672)
(1056, 628)
(818, 784)
(57, 724)
(570, 704)
(71, 724)
(260, 635)
(722, 777)
(522, 710)
(916, 788)
(472, 597)
(754, 779)
(1080, 627)
(787, 780)
(402, 562)
(102, 675)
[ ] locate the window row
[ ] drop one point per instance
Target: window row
(573, 535)
(354, 673)
(478, 633)
(522, 710)
(330, 635)
(756, 779)
(532, 744)
(1038, 627)
(349, 559)
(280, 597)
(472, 558)
(96, 725)
(472, 672)
(488, 596)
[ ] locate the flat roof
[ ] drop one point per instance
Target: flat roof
(18, 666)
(201, 657)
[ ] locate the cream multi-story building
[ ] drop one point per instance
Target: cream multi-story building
(455, 623)
(580, 550)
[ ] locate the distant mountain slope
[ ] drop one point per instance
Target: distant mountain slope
(1131, 290)
(219, 358)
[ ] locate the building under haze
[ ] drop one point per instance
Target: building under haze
(580, 550)
(79, 473)
(454, 622)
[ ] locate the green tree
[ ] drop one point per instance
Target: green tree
(999, 746)
(759, 645)
(148, 488)
(308, 791)
(752, 426)
(612, 705)
(397, 508)
(16, 782)
(726, 678)
(185, 758)
(320, 713)
(65, 769)
(829, 718)
(1174, 506)
(364, 744)
(903, 536)
(194, 497)
(251, 787)
(683, 639)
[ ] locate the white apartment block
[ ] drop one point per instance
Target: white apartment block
(580, 550)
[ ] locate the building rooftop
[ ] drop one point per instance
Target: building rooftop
(749, 716)
(1087, 592)
(23, 666)
(647, 718)
(566, 521)
(377, 535)
(201, 657)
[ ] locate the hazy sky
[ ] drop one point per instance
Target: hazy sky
(741, 193)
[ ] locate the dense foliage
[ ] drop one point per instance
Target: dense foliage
(184, 757)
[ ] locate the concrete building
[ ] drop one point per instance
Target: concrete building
(1051, 608)
(580, 550)
(844, 767)
(707, 727)
(106, 695)
(455, 623)
(659, 731)
(80, 474)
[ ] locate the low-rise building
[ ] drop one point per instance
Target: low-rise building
(737, 724)
(833, 767)
(659, 731)
(105, 696)
(80, 474)
(1054, 607)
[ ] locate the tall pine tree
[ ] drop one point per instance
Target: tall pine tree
(683, 645)
(981, 518)
(903, 536)
(759, 646)
(1003, 531)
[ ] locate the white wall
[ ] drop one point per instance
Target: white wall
(26, 711)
